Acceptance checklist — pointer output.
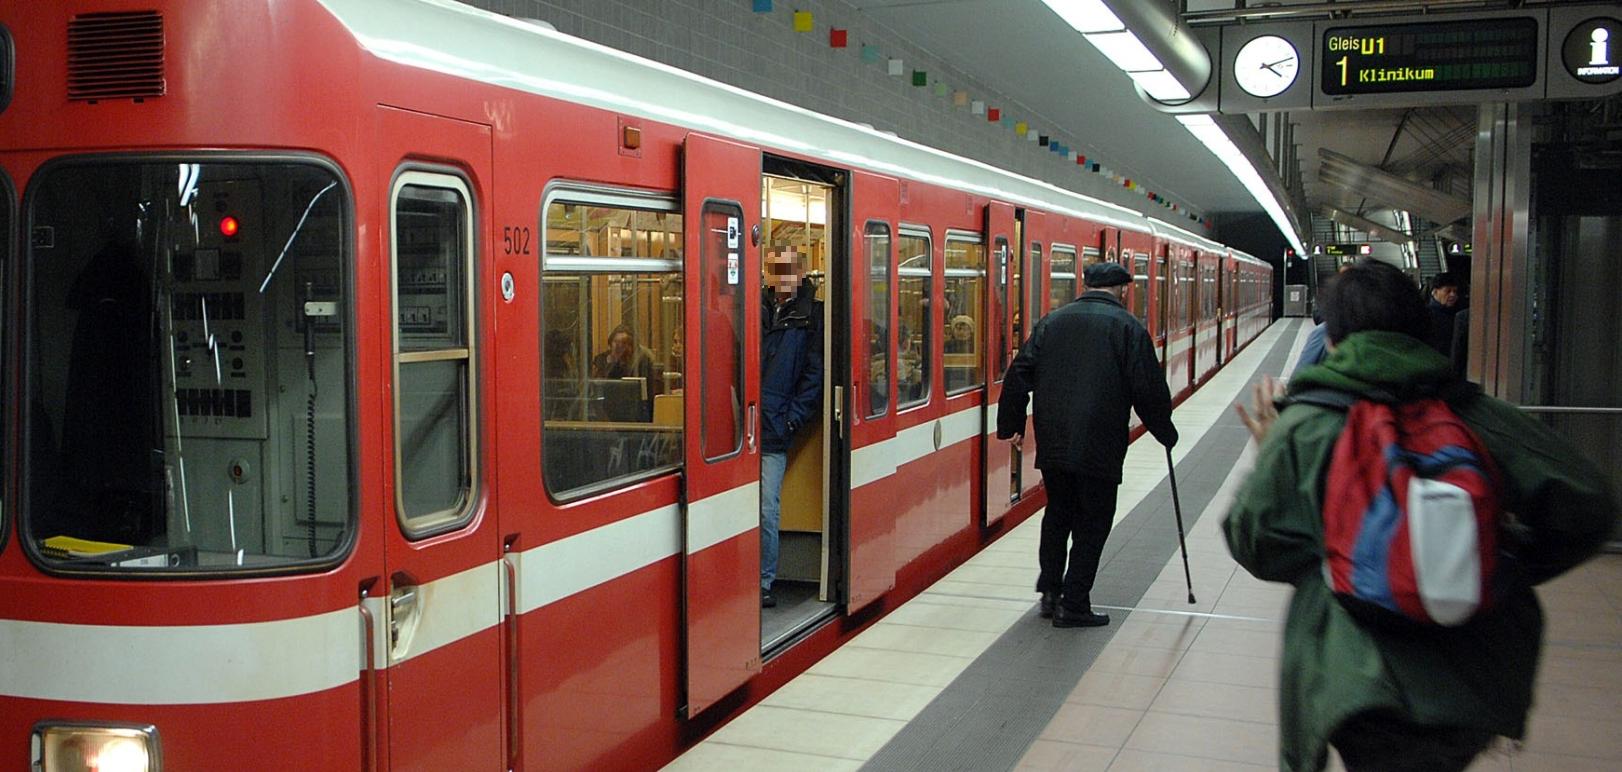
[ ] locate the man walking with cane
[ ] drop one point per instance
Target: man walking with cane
(1089, 363)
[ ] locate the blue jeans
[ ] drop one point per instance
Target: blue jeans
(772, 466)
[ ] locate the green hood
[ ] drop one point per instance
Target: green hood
(1378, 361)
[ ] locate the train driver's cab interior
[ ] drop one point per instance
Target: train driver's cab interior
(187, 366)
(800, 219)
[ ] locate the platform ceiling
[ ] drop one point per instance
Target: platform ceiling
(1020, 48)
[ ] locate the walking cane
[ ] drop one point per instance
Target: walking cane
(1177, 506)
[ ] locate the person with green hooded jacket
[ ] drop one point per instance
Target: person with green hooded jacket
(1401, 699)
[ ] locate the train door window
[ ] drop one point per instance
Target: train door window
(1032, 299)
(611, 340)
(187, 367)
(1062, 280)
(7, 63)
(723, 355)
(1190, 288)
(876, 239)
(1208, 293)
(1006, 260)
(965, 302)
(1140, 287)
(435, 398)
(1159, 298)
(915, 322)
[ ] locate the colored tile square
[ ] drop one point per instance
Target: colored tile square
(837, 37)
(802, 21)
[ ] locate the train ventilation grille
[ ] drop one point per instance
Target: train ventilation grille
(115, 56)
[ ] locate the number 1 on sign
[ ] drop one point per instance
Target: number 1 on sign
(1342, 63)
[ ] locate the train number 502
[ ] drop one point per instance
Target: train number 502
(515, 240)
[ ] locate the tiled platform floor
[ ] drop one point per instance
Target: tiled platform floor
(1178, 686)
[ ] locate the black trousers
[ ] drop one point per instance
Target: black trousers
(1080, 510)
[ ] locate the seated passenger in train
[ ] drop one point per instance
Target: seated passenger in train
(625, 359)
(960, 337)
(1407, 695)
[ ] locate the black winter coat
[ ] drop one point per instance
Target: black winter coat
(1089, 362)
(1440, 335)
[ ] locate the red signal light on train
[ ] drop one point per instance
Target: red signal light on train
(229, 226)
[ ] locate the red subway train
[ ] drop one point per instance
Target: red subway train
(425, 286)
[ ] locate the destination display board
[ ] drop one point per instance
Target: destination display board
(1429, 56)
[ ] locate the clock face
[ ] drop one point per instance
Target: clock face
(1266, 66)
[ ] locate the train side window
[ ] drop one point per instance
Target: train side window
(611, 338)
(187, 366)
(916, 321)
(965, 301)
(8, 201)
(1062, 280)
(436, 445)
(1140, 287)
(1089, 255)
(876, 238)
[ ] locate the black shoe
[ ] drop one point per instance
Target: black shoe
(767, 599)
(1063, 617)
(1049, 601)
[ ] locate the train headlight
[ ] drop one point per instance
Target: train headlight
(95, 747)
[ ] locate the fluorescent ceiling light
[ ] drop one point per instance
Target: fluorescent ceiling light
(1161, 85)
(1086, 15)
(1126, 51)
(1216, 140)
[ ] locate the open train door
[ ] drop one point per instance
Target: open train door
(721, 493)
(997, 458)
(870, 565)
(1030, 292)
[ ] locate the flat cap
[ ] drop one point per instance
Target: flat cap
(1099, 275)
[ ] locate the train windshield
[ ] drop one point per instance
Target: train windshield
(187, 367)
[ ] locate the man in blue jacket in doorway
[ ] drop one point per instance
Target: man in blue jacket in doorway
(790, 389)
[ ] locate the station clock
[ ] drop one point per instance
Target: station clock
(1266, 66)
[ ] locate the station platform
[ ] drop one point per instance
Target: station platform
(967, 676)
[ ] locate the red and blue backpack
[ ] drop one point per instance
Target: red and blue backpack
(1411, 512)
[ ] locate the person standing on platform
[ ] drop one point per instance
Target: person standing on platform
(790, 390)
(1316, 348)
(1089, 363)
(1389, 697)
(1443, 307)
